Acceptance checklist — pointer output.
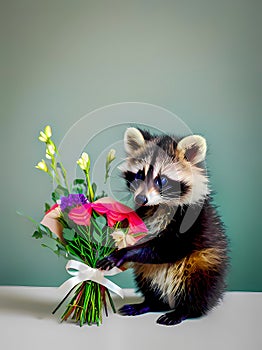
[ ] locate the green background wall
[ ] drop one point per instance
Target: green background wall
(200, 59)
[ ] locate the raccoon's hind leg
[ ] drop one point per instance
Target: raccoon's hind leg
(151, 303)
(172, 318)
(200, 277)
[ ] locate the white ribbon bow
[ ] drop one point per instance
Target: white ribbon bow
(83, 272)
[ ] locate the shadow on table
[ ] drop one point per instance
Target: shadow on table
(33, 301)
(13, 301)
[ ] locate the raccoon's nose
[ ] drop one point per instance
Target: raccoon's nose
(141, 199)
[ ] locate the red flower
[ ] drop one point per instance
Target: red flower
(114, 212)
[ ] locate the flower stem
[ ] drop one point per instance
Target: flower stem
(89, 186)
(62, 301)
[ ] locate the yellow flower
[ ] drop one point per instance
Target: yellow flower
(48, 131)
(84, 162)
(42, 166)
(46, 134)
(42, 137)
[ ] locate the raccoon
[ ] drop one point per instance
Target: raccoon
(182, 268)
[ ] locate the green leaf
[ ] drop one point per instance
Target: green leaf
(47, 207)
(61, 191)
(57, 252)
(79, 182)
(78, 189)
(79, 186)
(101, 195)
(52, 247)
(54, 197)
(45, 246)
(37, 234)
(41, 232)
(44, 229)
(27, 217)
(96, 236)
(68, 234)
(60, 251)
(100, 221)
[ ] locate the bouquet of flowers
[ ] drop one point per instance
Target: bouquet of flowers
(84, 227)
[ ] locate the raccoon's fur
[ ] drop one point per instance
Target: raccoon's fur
(181, 268)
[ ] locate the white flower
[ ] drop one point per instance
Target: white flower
(122, 239)
(109, 159)
(111, 156)
(84, 162)
(50, 150)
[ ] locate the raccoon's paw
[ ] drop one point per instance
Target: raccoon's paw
(134, 309)
(171, 319)
(106, 263)
(110, 261)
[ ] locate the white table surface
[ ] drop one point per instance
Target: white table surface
(26, 322)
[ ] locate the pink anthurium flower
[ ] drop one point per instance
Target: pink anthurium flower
(116, 211)
(81, 214)
(51, 221)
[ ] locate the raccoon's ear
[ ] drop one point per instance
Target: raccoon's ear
(193, 148)
(133, 140)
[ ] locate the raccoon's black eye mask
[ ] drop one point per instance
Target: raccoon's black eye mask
(140, 175)
(133, 179)
(159, 182)
(167, 188)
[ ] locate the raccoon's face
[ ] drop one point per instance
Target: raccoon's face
(158, 170)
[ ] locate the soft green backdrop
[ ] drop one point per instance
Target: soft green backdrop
(61, 59)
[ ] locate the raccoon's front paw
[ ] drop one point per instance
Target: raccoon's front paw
(110, 261)
(106, 263)
(134, 309)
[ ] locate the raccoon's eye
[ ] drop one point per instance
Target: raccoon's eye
(163, 180)
(160, 181)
